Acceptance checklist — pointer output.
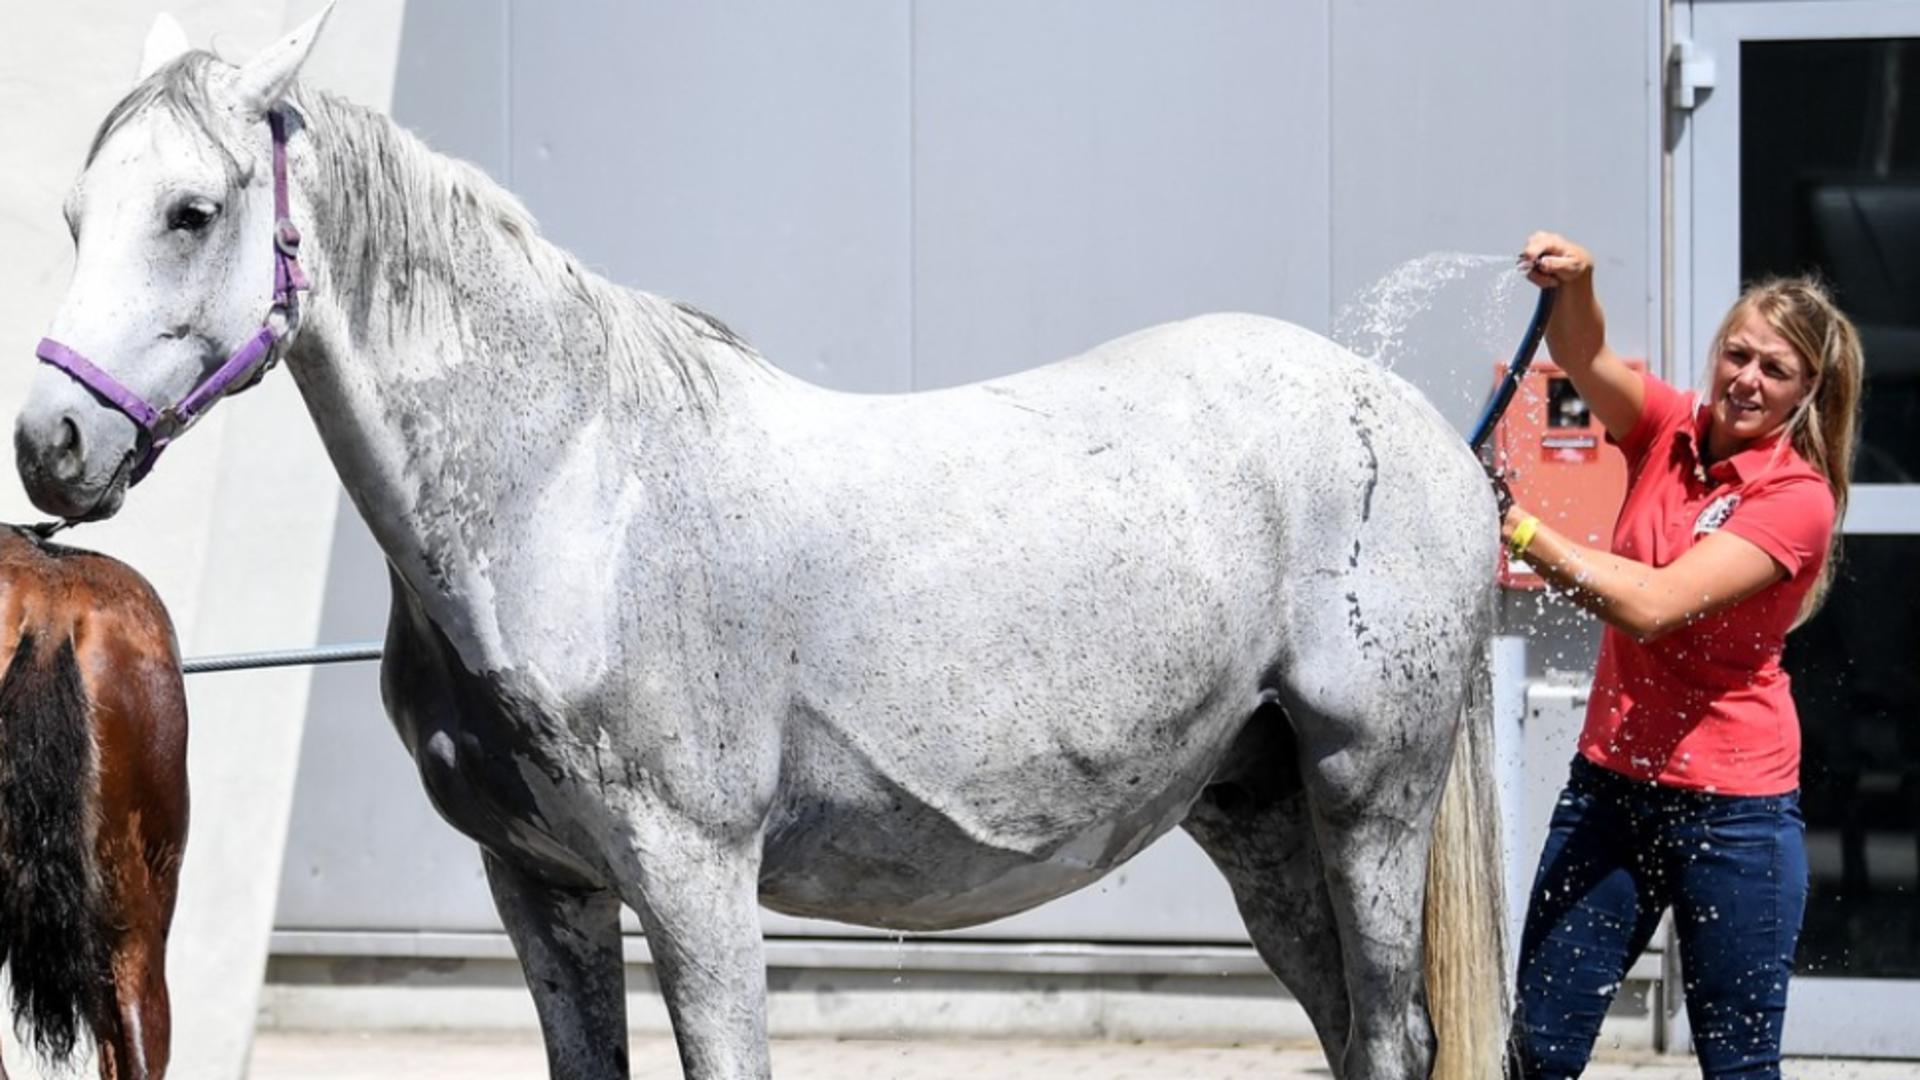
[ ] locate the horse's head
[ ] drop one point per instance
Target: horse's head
(175, 269)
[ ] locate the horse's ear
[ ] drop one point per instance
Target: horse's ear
(265, 78)
(165, 42)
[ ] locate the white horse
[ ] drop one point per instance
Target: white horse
(674, 629)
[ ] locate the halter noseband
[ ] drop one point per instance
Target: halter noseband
(250, 362)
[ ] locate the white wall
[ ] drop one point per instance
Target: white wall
(234, 528)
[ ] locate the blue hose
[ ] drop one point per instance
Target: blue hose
(1522, 357)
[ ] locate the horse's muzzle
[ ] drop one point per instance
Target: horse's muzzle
(51, 455)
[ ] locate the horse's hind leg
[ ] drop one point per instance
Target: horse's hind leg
(138, 849)
(1373, 773)
(1256, 827)
(568, 942)
(135, 1041)
(136, 1045)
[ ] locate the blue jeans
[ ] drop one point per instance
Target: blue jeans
(1618, 854)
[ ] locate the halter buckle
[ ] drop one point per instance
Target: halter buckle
(267, 362)
(286, 238)
(168, 425)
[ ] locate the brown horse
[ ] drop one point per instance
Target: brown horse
(93, 802)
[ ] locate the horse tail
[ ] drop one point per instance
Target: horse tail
(54, 930)
(1466, 912)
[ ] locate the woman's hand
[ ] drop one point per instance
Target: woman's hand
(1511, 515)
(1502, 495)
(1551, 260)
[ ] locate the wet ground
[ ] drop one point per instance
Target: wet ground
(492, 1056)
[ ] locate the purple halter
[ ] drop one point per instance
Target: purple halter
(249, 362)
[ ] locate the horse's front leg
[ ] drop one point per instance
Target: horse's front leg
(568, 942)
(696, 890)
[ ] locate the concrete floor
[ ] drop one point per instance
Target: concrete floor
(496, 1056)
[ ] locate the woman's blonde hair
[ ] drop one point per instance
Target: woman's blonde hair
(1822, 429)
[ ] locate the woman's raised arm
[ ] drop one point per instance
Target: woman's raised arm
(1577, 332)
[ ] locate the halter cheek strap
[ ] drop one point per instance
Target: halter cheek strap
(245, 367)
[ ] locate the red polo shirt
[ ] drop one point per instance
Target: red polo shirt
(1708, 707)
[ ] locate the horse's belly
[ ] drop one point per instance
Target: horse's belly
(850, 844)
(923, 876)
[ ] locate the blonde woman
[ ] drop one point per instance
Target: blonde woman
(1684, 793)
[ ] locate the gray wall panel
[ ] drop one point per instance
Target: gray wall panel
(757, 163)
(748, 157)
(1465, 134)
(451, 86)
(886, 195)
(1085, 168)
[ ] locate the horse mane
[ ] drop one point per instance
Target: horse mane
(393, 209)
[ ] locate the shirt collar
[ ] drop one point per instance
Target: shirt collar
(1741, 467)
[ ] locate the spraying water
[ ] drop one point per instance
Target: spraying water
(1446, 322)
(1443, 321)
(1376, 323)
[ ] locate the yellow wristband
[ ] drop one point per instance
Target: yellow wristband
(1522, 536)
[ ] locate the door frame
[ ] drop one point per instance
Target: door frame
(1837, 1016)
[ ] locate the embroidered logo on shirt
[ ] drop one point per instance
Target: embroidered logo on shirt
(1715, 515)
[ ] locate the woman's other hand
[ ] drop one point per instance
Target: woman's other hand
(1503, 496)
(1511, 515)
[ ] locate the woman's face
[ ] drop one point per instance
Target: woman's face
(1758, 381)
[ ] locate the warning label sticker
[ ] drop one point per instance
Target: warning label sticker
(1569, 449)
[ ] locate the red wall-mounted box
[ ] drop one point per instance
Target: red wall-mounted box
(1559, 464)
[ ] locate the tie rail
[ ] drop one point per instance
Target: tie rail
(325, 654)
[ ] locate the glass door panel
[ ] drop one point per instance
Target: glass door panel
(1805, 158)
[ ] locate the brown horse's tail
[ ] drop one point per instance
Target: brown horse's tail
(54, 931)
(1466, 914)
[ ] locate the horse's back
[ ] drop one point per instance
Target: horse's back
(1264, 363)
(57, 591)
(70, 606)
(1212, 398)
(1244, 448)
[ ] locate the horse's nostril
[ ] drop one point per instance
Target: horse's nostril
(67, 458)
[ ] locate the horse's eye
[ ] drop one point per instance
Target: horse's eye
(192, 215)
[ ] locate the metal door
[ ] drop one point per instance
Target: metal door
(1798, 148)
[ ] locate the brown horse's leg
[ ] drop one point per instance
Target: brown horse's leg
(138, 852)
(140, 736)
(145, 1015)
(134, 1042)
(143, 880)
